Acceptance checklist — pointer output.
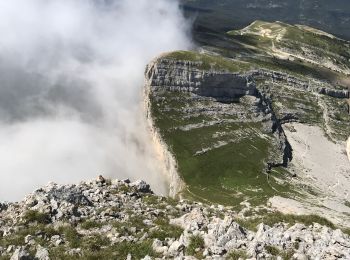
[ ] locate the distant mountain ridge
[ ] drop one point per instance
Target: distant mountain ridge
(223, 15)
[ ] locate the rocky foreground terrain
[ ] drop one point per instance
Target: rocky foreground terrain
(104, 219)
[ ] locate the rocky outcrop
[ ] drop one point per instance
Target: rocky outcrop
(182, 75)
(187, 76)
(110, 219)
(316, 86)
(284, 146)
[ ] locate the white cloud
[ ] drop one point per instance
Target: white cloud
(71, 78)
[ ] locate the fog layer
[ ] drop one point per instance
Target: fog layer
(71, 78)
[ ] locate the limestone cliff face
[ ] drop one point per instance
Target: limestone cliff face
(186, 76)
(224, 87)
(166, 159)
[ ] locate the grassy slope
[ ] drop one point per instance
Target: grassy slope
(228, 174)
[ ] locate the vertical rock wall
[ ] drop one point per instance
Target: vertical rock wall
(166, 159)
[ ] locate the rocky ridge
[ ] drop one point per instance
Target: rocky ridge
(103, 219)
(189, 76)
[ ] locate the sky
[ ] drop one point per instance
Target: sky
(71, 79)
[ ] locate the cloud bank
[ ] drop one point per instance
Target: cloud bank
(71, 78)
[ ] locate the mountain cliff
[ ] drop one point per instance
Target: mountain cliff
(258, 116)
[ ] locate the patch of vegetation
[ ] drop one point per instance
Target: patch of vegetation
(123, 188)
(60, 253)
(17, 238)
(249, 213)
(137, 221)
(287, 254)
(347, 203)
(165, 230)
(272, 250)
(31, 216)
(95, 243)
(71, 235)
(90, 224)
(275, 251)
(137, 250)
(128, 227)
(346, 231)
(172, 202)
(276, 217)
(196, 243)
(236, 255)
(150, 200)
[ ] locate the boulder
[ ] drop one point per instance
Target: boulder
(194, 220)
(176, 248)
(141, 186)
(42, 253)
(21, 254)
